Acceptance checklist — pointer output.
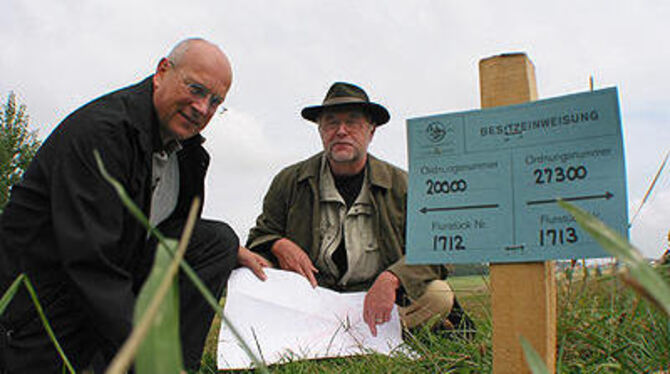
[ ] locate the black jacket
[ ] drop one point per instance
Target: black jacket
(66, 227)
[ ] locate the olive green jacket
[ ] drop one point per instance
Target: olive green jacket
(291, 210)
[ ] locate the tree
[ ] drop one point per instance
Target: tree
(18, 145)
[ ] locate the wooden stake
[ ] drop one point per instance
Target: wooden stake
(523, 296)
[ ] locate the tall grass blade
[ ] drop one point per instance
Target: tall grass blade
(9, 295)
(185, 267)
(11, 291)
(156, 332)
(45, 323)
(640, 271)
(127, 201)
(160, 351)
(651, 188)
(533, 359)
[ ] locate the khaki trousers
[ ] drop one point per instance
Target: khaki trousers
(435, 303)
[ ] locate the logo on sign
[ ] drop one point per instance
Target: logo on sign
(436, 131)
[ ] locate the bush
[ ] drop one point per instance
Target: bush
(18, 145)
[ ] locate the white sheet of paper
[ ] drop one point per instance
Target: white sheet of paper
(285, 319)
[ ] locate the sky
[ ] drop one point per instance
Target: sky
(416, 58)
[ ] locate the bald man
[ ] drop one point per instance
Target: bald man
(87, 256)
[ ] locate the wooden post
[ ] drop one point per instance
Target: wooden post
(523, 296)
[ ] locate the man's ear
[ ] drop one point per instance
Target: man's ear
(163, 66)
(372, 132)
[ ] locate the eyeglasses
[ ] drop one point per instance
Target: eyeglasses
(353, 121)
(199, 91)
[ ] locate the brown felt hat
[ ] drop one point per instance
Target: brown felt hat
(343, 94)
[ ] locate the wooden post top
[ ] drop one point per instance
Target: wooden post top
(506, 79)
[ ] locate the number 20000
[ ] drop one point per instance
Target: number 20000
(444, 186)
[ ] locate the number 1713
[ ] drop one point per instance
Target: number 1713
(567, 235)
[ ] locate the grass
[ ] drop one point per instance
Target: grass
(603, 326)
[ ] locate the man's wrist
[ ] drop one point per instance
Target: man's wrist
(391, 278)
(275, 245)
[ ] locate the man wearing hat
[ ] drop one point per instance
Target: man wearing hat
(338, 218)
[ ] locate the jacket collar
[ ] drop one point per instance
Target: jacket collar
(145, 121)
(378, 174)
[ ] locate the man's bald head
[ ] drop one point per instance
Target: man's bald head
(198, 45)
(189, 85)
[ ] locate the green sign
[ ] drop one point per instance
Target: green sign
(483, 184)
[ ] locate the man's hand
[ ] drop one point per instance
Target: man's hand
(379, 300)
(292, 257)
(253, 261)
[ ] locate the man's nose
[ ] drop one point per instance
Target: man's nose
(201, 105)
(342, 128)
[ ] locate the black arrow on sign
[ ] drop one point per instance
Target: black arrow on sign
(518, 247)
(607, 195)
(425, 210)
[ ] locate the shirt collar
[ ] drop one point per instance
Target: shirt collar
(328, 190)
(169, 142)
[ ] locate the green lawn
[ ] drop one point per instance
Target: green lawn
(466, 284)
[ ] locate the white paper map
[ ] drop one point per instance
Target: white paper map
(284, 319)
